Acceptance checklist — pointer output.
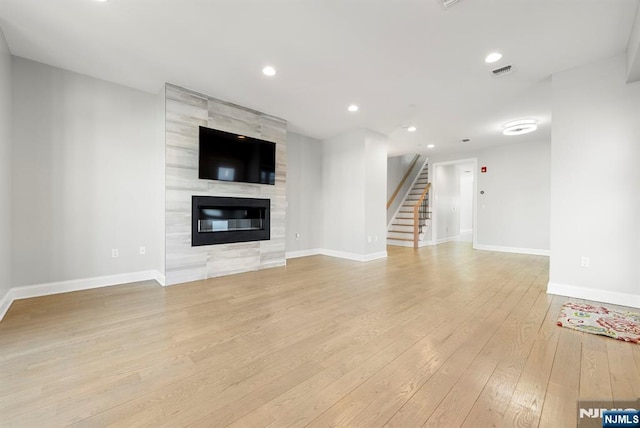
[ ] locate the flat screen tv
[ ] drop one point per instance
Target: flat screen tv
(231, 157)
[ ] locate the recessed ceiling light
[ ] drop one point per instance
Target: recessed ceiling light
(242, 137)
(269, 71)
(519, 127)
(412, 129)
(431, 146)
(352, 108)
(493, 57)
(102, 1)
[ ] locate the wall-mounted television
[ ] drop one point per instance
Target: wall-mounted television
(231, 157)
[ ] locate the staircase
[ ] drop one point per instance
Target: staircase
(405, 224)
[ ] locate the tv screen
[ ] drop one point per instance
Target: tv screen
(230, 157)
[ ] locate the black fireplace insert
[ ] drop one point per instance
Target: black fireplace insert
(223, 220)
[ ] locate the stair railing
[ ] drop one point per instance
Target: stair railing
(420, 213)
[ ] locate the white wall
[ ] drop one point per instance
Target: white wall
(513, 212)
(375, 197)
(87, 167)
(397, 167)
(354, 174)
(5, 168)
(304, 193)
(595, 198)
(466, 197)
(343, 174)
(446, 201)
(514, 209)
(160, 221)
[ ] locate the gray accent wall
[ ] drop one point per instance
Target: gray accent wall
(304, 193)
(5, 167)
(87, 176)
(185, 112)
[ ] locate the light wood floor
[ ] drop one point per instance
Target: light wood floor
(443, 336)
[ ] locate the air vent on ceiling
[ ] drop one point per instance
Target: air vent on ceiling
(447, 3)
(466, 140)
(502, 70)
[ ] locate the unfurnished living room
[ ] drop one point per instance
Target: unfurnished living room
(320, 213)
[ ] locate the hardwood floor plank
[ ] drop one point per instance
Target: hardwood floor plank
(595, 382)
(560, 402)
(397, 380)
(526, 402)
(442, 336)
(623, 372)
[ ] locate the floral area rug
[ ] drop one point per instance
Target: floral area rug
(621, 325)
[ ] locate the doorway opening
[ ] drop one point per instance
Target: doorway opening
(454, 213)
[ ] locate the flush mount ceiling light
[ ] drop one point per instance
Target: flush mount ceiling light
(412, 129)
(519, 127)
(447, 3)
(269, 71)
(493, 57)
(431, 146)
(352, 108)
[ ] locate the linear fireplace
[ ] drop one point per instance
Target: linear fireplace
(222, 220)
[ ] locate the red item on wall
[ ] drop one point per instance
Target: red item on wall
(483, 169)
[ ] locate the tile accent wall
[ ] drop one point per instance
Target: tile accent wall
(185, 111)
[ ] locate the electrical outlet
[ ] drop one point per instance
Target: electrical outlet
(585, 261)
(114, 253)
(143, 251)
(297, 236)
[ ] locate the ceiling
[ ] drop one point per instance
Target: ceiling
(404, 62)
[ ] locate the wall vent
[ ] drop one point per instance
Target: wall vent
(502, 70)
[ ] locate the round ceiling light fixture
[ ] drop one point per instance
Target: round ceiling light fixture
(431, 146)
(519, 127)
(493, 57)
(269, 71)
(352, 108)
(412, 129)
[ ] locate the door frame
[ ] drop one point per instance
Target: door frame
(434, 198)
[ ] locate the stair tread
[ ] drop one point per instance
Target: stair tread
(401, 239)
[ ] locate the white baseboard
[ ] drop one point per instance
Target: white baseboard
(374, 256)
(597, 295)
(338, 254)
(302, 253)
(160, 278)
(5, 304)
(397, 243)
(353, 256)
(516, 250)
(451, 238)
(38, 290)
